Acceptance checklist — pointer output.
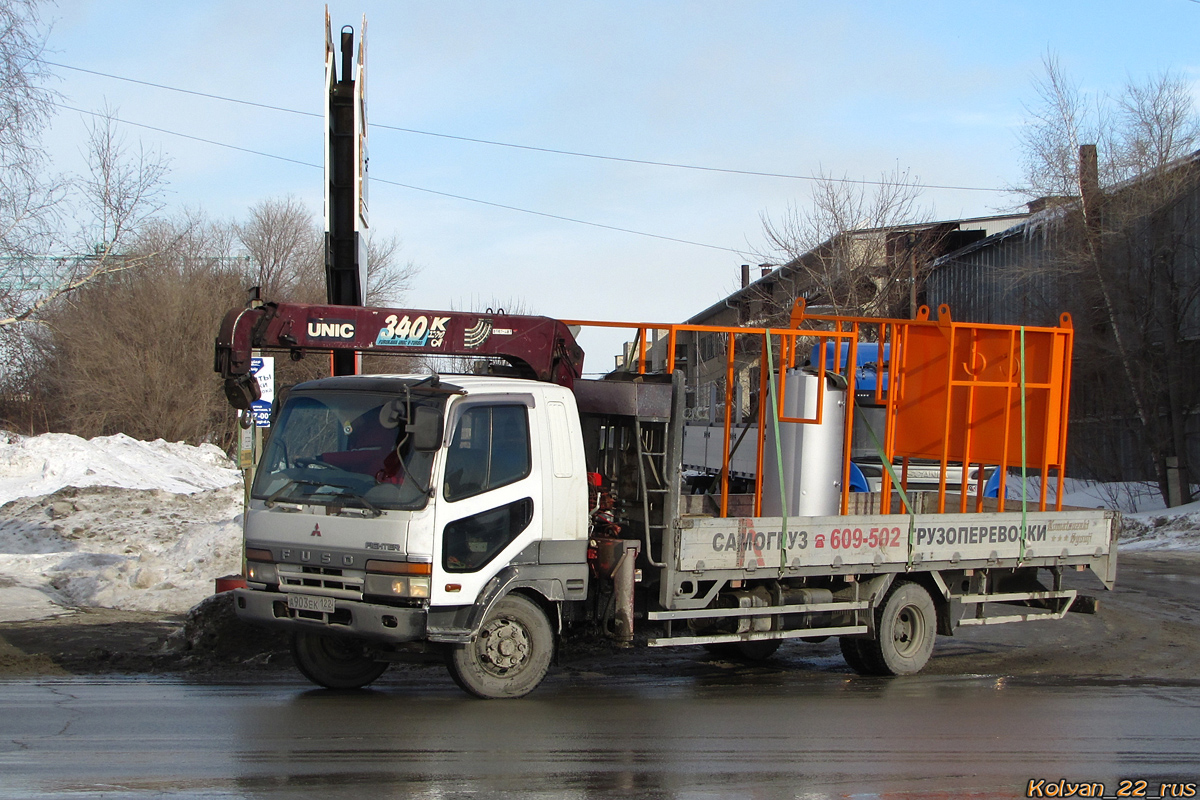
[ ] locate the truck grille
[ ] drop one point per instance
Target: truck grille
(346, 584)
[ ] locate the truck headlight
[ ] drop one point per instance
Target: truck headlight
(259, 567)
(397, 579)
(261, 573)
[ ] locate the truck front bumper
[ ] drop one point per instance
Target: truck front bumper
(352, 618)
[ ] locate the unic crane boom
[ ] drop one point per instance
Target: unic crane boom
(538, 348)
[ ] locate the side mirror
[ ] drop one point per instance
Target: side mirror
(426, 429)
(391, 413)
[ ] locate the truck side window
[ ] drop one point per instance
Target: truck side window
(471, 542)
(490, 449)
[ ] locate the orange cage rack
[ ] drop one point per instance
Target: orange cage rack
(955, 393)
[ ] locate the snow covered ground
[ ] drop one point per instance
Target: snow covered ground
(119, 523)
(1147, 524)
(113, 522)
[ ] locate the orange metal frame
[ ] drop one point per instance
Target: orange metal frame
(954, 393)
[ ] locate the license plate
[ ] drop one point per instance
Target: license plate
(309, 602)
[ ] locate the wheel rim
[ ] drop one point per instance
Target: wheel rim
(341, 652)
(503, 646)
(908, 632)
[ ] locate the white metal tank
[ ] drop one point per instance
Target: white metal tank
(812, 453)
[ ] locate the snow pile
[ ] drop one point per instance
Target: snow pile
(38, 465)
(1125, 497)
(1159, 530)
(1146, 522)
(113, 522)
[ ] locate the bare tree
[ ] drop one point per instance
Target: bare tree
(1056, 124)
(38, 262)
(124, 185)
(27, 197)
(45, 262)
(122, 190)
(1144, 128)
(1157, 124)
(131, 351)
(838, 248)
(1128, 248)
(388, 281)
(285, 250)
(286, 256)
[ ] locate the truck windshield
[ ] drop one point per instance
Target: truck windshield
(345, 448)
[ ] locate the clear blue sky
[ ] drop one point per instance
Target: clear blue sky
(854, 88)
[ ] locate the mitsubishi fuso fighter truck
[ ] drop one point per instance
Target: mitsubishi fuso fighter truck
(479, 517)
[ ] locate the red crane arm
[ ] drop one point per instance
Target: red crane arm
(539, 348)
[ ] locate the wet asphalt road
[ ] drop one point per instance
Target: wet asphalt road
(812, 735)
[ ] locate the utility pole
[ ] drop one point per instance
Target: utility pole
(345, 179)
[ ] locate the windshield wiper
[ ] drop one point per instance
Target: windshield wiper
(367, 504)
(270, 501)
(344, 491)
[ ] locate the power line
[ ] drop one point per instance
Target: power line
(559, 217)
(189, 136)
(406, 185)
(533, 148)
(184, 91)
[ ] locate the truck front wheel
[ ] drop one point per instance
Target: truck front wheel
(335, 662)
(905, 630)
(509, 656)
(858, 655)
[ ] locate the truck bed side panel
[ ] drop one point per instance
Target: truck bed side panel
(874, 541)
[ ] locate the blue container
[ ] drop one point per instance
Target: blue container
(866, 358)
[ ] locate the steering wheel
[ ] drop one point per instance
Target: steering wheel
(312, 463)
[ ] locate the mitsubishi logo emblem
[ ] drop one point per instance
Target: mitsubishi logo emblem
(316, 530)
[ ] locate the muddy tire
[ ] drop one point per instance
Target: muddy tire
(906, 628)
(858, 656)
(509, 656)
(335, 662)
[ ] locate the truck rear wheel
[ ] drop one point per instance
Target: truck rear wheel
(905, 631)
(509, 656)
(335, 662)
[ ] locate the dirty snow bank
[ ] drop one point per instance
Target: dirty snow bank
(38, 465)
(1146, 523)
(113, 522)
(1163, 529)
